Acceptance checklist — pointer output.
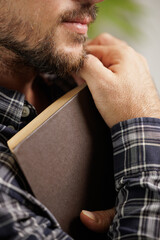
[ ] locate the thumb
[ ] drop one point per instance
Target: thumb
(98, 221)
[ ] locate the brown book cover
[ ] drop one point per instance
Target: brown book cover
(65, 154)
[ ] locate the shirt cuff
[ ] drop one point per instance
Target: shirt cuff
(136, 146)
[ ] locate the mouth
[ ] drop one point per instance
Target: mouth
(78, 25)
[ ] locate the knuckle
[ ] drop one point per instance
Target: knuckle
(129, 52)
(129, 49)
(104, 38)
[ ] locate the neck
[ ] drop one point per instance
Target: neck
(14, 75)
(17, 76)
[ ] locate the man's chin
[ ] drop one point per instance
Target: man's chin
(64, 62)
(68, 58)
(72, 51)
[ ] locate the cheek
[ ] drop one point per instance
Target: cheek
(43, 12)
(39, 13)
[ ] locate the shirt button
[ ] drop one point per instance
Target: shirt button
(11, 159)
(11, 127)
(25, 111)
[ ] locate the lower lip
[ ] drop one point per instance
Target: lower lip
(77, 27)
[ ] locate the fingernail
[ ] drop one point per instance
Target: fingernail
(90, 215)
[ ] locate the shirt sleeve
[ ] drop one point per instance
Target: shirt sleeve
(136, 146)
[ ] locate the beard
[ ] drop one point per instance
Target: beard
(44, 55)
(45, 58)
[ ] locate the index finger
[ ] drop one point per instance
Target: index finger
(106, 39)
(111, 56)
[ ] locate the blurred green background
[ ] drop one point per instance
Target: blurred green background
(118, 16)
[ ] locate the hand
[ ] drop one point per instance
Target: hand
(119, 80)
(98, 221)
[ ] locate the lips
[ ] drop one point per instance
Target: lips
(78, 25)
(85, 20)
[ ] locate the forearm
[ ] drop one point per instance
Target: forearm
(137, 163)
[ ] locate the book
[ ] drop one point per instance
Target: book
(65, 154)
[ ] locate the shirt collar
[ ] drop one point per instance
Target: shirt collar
(12, 102)
(11, 105)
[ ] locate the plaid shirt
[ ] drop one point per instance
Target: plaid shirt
(136, 146)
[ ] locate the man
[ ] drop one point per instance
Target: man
(38, 36)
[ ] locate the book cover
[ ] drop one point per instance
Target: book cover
(65, 154)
